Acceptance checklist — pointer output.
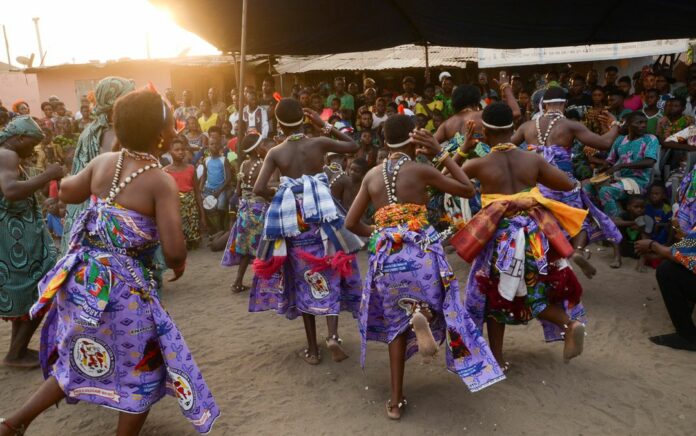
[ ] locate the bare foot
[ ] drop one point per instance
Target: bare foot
(238, 288)
(574, 340)
(426, 342)
(334, 345)
(616, 263)
(584, 264)
(6, 428)
(28, 361)
(312, 359)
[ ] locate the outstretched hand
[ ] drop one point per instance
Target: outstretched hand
(643, 246)
(425, 142)
(606, 118)
(178, 272)
(470, 140)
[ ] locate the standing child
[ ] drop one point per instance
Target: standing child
(246, 232)
(54, 220)
(660, 211)
(189, 195)
(410, 290)
(216, 179)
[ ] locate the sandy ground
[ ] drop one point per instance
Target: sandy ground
(621, 385)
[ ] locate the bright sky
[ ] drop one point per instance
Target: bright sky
(81, 30)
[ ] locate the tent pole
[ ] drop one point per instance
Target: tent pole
(235, 67)
(242, 66)
(427, 64)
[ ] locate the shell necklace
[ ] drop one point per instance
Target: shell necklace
(390, 178)
(542, 138)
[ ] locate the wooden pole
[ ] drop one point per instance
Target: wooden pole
(427, 64)
(242, 66)
(7, 46)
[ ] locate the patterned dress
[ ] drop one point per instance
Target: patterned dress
(107, 339)
(188, 206)
(305, 262)
(598, 225)
(686, 199)
(408, 265)
(518, 248)
(247, 230)
(27, 254)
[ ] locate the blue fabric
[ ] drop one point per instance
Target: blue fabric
(54, 225)
(317, 206)
(660, 215)
(215, 173)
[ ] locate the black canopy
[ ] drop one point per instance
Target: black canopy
(322, 26)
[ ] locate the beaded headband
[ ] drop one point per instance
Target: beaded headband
(400, 144)
(492, 127)
(256, 144)
(297, 123)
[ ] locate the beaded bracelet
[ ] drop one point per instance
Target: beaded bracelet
(327, 129)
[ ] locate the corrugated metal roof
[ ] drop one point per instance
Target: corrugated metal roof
(403, 56)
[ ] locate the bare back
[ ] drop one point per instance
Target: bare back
(562, 132)
(410, 185)
(457, 124)
(297, 158)
(513, 171)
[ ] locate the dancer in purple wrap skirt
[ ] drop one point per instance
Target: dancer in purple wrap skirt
(411, 297)
(106, 339)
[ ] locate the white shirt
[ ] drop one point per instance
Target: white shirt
(250, 119)
(690, 107)
(376, 121)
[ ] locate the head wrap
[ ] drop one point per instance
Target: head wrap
(109, 89)
(15, 105)
(23, 125)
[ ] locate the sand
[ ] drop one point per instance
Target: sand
(622, 384)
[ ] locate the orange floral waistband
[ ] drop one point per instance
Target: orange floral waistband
(415, 215)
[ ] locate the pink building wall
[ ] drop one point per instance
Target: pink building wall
(17, 85)
(68, 82)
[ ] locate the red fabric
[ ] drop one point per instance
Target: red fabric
(184, 179)
(340, 262)
(232, 144)
(266, 268)
(53, 189)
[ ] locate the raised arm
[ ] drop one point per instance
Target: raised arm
(344, 144)
(518, 135)
(14, 189)
(591, 139)
(457, 184)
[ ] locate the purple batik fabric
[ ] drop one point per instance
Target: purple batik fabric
(246, 232)
(598, 225)
(409, 266)
(106, 339)
(297, 288)
(686, 198)
(491, 260)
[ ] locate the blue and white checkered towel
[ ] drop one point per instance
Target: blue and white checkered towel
(317, 206)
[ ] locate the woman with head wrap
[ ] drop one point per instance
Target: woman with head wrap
(20, 107)
(97, 138)
(28, 252)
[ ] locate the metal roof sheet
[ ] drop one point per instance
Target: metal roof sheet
(403, 56)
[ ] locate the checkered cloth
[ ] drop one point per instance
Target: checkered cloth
(317, 206)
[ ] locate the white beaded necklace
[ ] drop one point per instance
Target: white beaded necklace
(117, 187)
(542, 138)
(250, 174)
(390, 183)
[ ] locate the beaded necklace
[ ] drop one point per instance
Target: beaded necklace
(507, 146)
(337, 172)
(542, 138)
(137, 155)
(117, 187)
(296, 137)
(390, 177)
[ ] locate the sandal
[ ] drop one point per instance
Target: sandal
(238, 289)
(333, 343)
(390, 409)
(309, 358)
(18, 430)
(505, 367)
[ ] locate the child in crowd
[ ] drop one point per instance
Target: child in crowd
(367, 149)
(216, 179)
(251, 211)
(438, 119)
(634, 225)
(55, 211)
(189, 195)
(421, 121)
(660, 211)
(336, 106)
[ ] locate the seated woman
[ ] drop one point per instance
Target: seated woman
(632, 157)
(106, 339)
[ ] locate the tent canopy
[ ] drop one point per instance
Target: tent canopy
(303, 27)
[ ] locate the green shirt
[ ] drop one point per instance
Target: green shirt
(347, 101)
